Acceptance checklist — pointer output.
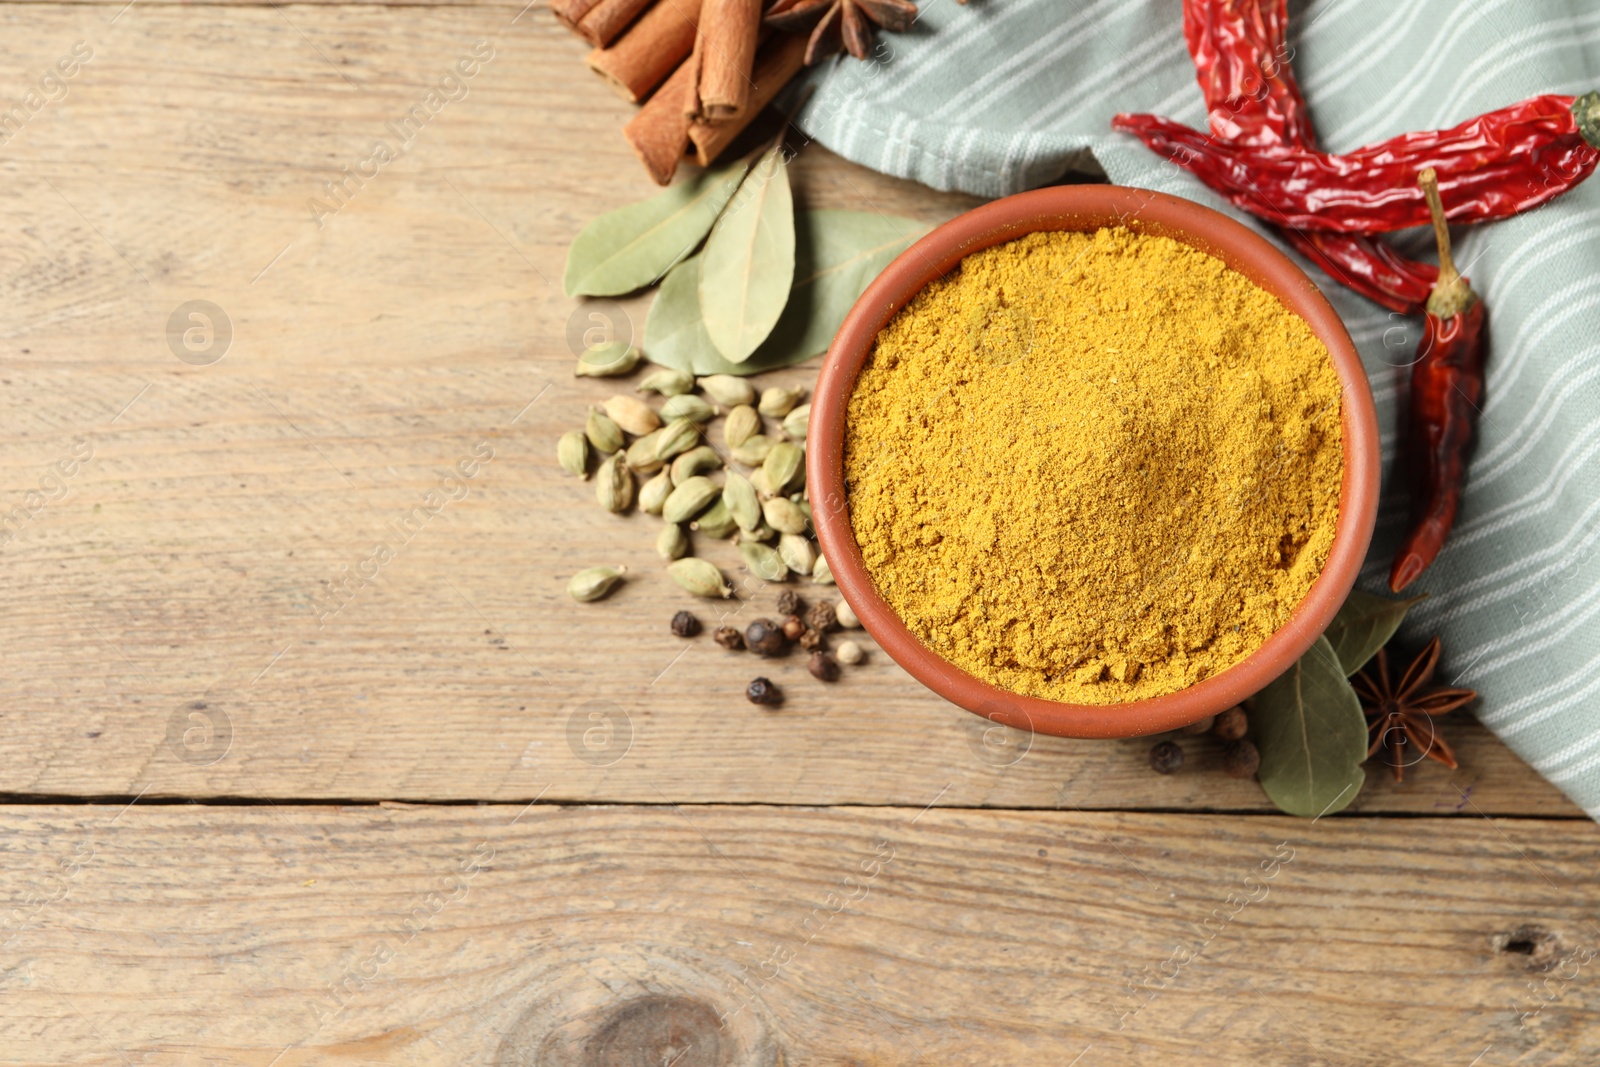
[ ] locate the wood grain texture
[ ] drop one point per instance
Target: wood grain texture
(508, 935)
(373, 348)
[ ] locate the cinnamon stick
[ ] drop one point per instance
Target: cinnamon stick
(659, 133)
(570, 12)
(608, 18)
(780, 58)
(728, 29)
(650, 50)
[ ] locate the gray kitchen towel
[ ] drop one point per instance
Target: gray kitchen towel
(999, 96)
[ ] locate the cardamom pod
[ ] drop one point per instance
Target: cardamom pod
(642, 453)
(603, 434)
(758, 478)
(699, 577)
(672, 542)
(693, 462)
(612, 359)
(762, 532)
(653, 494)
(764, 562)
(594, 583)
(743, 504)
(690, 499)
(632, 414)
(798, 552)
(785, 467)
(728, 389)
(677, 437)
(778, 401)
(715, 521)
(572, 452)
(797, 422)
(687, 406)
(668, 381)
(613, 485)
(742, 424)
(821, 573)
(753, 450)
(784, 515)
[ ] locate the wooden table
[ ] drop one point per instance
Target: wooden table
(465, 820)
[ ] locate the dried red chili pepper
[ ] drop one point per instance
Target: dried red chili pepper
(1446, 385)
(1241, 57)
(1494, 166)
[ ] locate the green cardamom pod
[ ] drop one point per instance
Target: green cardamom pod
(821, 573)
(764, 562)
(758, 478)
(653, 494)
(798, 552)
(672, 543)
(611, 359)
(603, 434)
(699, 577)
(797, 422)
(785, 467)
(728, 389)
(693, 462)
(632, 414)
(743, 504)
(572, 452)
(784, 515)
(742, 424)
(594, 583)
(668, 381)
(677, 437)
(753, 450)
(762, 532)
(690, 499)
(687, 406)
(778, 401)
(715, 521)
(642, 453)
(613, 485)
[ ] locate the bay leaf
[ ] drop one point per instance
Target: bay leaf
(837, 254)
(748, 262)
(1364, 624)
(1311, 734)
(633, 246)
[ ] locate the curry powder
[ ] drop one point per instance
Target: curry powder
(1094, 467)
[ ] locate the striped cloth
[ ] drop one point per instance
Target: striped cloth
(1000, 96)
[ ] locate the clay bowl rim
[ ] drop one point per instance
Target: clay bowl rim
(1087, 208)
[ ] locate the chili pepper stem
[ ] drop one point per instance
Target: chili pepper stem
(1586, 113)
(1451, 294)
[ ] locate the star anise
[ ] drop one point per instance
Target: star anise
(835, 24)
(1400, 715)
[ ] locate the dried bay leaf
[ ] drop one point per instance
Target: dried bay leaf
(748, 262)
(1364, 624)
(631, 247)
(1311, 735)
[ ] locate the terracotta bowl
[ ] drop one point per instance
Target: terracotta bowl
(1090, 207)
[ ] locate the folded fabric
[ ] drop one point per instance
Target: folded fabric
(996, 97)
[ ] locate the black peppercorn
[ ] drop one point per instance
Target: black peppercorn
(764, 637)
(1165, 757)
(1240, 759)
(793, 627)
(1231, 724)
(762, 691)
(821, 617)
(729, 638)
(789, 602)
(684, 624)
(823, 667)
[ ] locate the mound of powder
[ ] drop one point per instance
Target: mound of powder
(1094, 467)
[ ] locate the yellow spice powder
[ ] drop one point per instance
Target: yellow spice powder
(1094, 467)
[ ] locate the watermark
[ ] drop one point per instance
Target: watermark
(342, 590)
(597, 322)
(1561, 974)
(599, 733)
(40, 893)
(50, 88)
(402, 131)
(199, 332)
(993, 742)
(52, 487)
(200, 734)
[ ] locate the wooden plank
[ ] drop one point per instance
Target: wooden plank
(372, 350)
(507, 935)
